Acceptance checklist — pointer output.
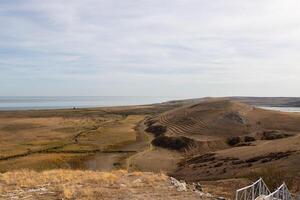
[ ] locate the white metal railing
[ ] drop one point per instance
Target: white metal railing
(251, 192)
(282, 193)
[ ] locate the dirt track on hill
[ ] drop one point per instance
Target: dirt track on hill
(119, 160)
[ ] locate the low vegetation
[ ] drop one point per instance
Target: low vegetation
(249, 139)
(239, 141)
(274, 177)
(88, 185)
(274, 135)
(233, 141)
(156, 130)
(173, 143)
(58, 141)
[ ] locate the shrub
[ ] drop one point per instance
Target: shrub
(273, 135)
(274, 177)
(150, 122)
(233, 141)
(156, 130)
(174, 143)
(249, 139)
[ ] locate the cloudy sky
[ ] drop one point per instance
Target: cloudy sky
(175, 48)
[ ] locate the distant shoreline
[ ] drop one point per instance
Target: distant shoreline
(58, 103)
(281, 108)
(286, 104)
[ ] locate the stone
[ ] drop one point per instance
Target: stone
(180, 185)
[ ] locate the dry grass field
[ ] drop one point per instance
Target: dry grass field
(221, 143)
(75, 184)
(73, 138)
(65, 138)
(59, 142)
(118, 184)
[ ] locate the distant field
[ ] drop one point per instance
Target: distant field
(70, 138)
(63, 138)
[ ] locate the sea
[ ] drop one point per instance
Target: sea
(63, 102)
(283, 109)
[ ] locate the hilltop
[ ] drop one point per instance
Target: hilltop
(255, 101)
(214, 120)
(220, 139)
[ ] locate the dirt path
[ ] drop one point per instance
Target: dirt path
(112, 161)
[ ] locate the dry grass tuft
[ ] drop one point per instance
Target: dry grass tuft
(69, 192)
(274, 177)
(76, 184)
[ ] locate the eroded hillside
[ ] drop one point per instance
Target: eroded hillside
(221, 139)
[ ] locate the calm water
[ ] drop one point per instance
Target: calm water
(283, 109)
(27, 103)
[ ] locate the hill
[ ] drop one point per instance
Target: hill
(221, 139)
(256, 101)
(219, 119)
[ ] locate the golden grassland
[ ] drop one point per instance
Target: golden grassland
(75, 184)
(60, 140)
(118, 184)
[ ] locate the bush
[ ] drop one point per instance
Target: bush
(249, 139)
(274, 135)
(233, 141)
(274, 177)
(156, 130)
(174, 143)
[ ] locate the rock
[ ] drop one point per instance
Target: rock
(180, 185)
(202, 194)
(198, 187)
(209, 195)
(137, 181)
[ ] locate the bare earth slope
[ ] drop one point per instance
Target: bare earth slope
(261, 138)
(217, 119)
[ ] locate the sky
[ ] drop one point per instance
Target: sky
(170, 48)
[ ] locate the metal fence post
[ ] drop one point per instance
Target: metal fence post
(253, 193)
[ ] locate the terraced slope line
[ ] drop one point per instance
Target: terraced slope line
(224, 118)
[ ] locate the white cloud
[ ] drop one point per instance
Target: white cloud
(192, 47)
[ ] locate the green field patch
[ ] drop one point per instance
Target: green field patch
(20, 127)
(66, 130)
(78, 147)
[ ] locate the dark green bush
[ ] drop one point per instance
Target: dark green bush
(174, 143)
(249, 139)
(156, 130)
(233, 141)
(274, 135)
(274, 177)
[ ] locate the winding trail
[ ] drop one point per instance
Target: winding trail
(118, 159)
(98, 159)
